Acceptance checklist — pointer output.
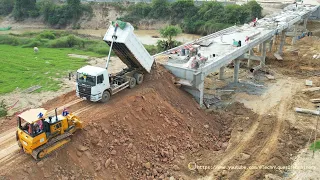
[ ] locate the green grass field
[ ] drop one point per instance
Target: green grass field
(22, 68)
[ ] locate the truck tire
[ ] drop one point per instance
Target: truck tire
(105, 96)
(132, 83)
(139, 78)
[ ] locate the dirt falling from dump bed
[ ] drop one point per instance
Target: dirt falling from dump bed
(141, 133)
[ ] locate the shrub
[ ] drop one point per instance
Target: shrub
(10, 40)
(67, 42)
(34, 43)
(3, 109)
(47, 35)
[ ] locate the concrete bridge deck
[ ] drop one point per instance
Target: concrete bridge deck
(219, 50)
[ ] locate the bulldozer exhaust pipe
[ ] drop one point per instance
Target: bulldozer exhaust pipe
(56, 114)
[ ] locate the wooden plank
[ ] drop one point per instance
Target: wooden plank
(315, 100)
(278, 56)
(307, 111)
(311, 89)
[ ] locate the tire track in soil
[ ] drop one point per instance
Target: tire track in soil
(250, 135)
(270, 144)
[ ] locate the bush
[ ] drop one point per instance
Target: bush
(34, 43)
(10, 40)
(152, 49)
(3, 109)
(67, 42)
(47, 35)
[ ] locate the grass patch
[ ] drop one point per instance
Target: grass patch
(22, 68)
(315, 146)
(3, 109)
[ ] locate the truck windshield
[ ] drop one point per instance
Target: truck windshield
(86, 79)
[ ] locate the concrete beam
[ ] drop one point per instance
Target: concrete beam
(236, 70)
(221, 73)
(252, 57)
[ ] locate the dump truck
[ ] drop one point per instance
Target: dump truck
(97, 84)
(39, 135)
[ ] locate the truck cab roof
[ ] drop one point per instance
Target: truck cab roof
(94, 71)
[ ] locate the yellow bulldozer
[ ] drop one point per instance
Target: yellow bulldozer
(39, 135)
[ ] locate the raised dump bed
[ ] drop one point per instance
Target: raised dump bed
(128, 48)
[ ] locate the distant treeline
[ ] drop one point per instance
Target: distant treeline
(58, 15)
(204, 19)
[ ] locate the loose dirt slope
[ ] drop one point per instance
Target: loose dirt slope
(140, 133)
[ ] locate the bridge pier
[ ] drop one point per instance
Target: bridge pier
(270, 45)
(236, 70)
(305, 21)
(294, 38)
(282, 41)
(249, 59)
(264, 53)
(221, 73)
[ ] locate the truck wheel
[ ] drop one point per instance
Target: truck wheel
(105, 96)
(132, 83)
(138, 77)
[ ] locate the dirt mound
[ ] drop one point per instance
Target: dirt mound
(298, 59)
(143, 133)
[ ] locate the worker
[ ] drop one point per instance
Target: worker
(65, 112)
(239, 43)
(30, 129)
(247, 39)
(235, 43)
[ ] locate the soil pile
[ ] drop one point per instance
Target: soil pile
(142, 133)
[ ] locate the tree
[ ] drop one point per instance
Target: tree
(254, 9)
(6, 7)
(160, 9)
(24, 8)
(183, 9)
(74, 7)
(170, 31)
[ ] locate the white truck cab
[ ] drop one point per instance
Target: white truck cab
(92, 82)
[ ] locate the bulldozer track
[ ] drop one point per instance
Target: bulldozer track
(52, 142)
